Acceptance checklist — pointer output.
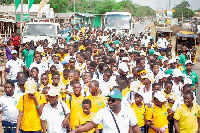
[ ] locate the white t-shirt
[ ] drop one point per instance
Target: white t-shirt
(54, 117)
(14, 67)
(8, 107)
(124, 118)
(42, 66)
(177, 89)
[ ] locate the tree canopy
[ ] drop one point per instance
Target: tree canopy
(183, 9)
(94, 6)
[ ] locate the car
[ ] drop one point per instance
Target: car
(142, 22)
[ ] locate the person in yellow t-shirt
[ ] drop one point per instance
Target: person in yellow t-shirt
(86, 116)
(158, 115)
(74, 103)
(45, 92)
(140, 109)
(44, 81)
(98, 101)
(187, 116)
(65, 76)
(30, 108)
(127, 89)
(62, 54)
(56, 84)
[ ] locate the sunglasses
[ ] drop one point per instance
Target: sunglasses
(112, 100)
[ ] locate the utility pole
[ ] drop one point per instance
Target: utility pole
(21, 20)
(74, 13)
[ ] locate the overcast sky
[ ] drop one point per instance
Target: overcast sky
(194, 4)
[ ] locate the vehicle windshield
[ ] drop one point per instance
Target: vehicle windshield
(117, 21)
(39, 30)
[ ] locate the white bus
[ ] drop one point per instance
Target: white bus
(40, 31)
(120, 21)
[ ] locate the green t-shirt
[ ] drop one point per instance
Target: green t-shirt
(182, 59)
(29, 57)
(68, 38)
(193, 77)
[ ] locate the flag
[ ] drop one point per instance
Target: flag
(17, 2)
(30, 3)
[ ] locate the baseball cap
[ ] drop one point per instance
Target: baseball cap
(187, 80)
(123, 66)
(160, 57)
(140, 93)
(125, 59)
(160, 96)
(151, 51)
(30, 86)
(177, 74)
(53, 92)
(40, 50)
(116, 94)
(164, 59)
(149, 76)
(188, 62)
(161, 75)
(135, 86)
(13, 52)
(172, 61)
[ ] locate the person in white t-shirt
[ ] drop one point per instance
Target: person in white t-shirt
(41, 65)
(118, 117)
(13, 66)
(55, 114)
(8, 108)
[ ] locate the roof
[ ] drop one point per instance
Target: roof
(86, 14)
(64, 15)
(164, 30)
(179, 34)
(122, 13)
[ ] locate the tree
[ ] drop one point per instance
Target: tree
(184, 4)
(187, 13)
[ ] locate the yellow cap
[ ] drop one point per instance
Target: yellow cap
(30, 86)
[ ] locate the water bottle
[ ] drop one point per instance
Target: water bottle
(163, 129)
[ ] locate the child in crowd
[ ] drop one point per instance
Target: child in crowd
(86, 116)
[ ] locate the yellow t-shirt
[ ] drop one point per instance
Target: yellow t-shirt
(140, 113)
(82, 48)
(62, 57)
(97, 103)
(75, 107)
(125, 91)
(41, 87)
(30, 119)
(158, 116)
(82, 119)
(50, 77)
(171, 95)
(187, 118)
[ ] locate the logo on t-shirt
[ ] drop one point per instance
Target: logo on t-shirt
(195, 114)
(165, 113)
(61, 113)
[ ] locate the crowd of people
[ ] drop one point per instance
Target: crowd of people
(99, 81)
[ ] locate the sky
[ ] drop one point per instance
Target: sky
(163, 4)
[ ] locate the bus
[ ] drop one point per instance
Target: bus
(120, 21)
(40, 31)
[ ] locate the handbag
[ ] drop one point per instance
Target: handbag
(115, 122)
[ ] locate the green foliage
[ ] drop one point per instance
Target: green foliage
(95, 6)
(183, 8)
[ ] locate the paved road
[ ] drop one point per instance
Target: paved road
(138, 27)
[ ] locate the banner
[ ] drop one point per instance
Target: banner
(30, 3)
(17, 2)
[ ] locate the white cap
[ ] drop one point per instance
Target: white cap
(161, 75)
(160, 96)
(149, 76)
(39, 49)
(143, 53)
(177, 74)
(172, 61)
(188, 62)
(177, 58)
(135, 86)
(164, 59)
(157, 53)
(53, 92)
(187, 80)
(13, 52)
(125, 59)
(140, 92)
(123, 66)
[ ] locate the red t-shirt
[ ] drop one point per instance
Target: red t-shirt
(16, 41)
